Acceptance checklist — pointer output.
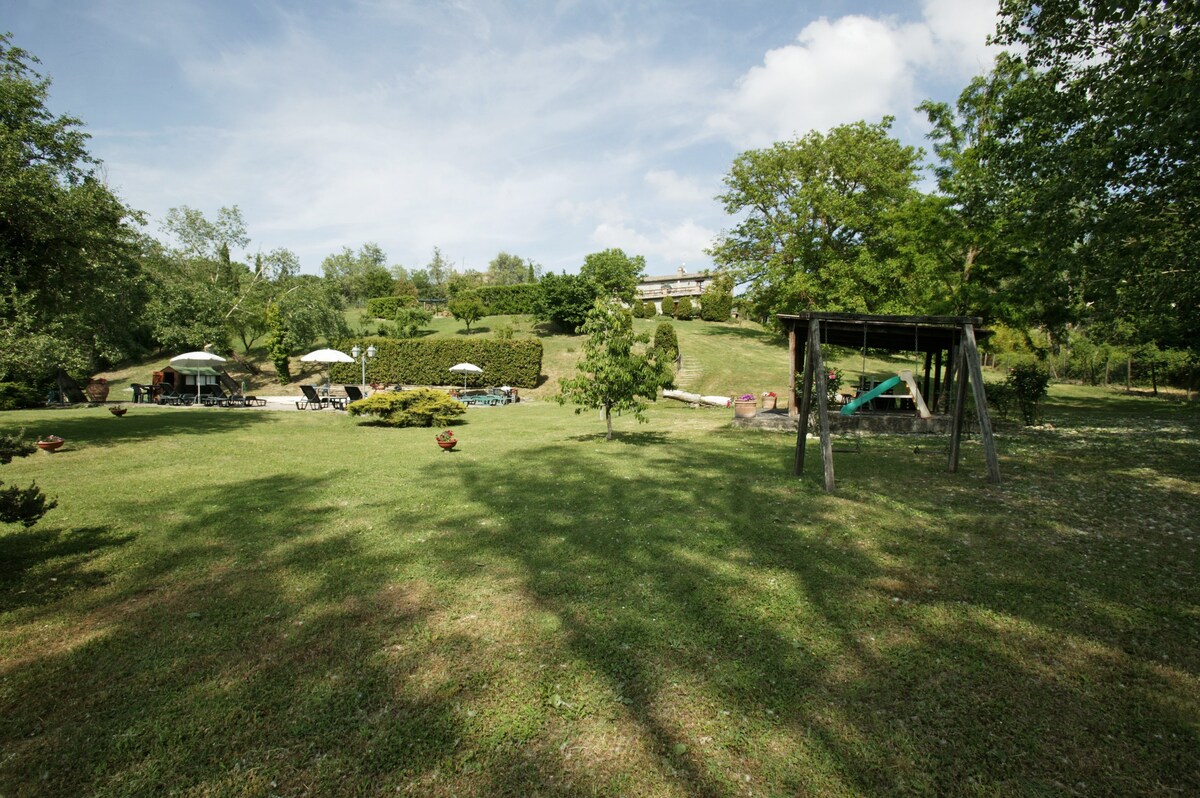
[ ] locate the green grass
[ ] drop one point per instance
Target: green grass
(230, 602)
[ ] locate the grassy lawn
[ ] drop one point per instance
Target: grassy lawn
(231, 602)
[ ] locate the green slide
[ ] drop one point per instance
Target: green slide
(878, 390)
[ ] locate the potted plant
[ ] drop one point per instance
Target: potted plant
(768, 400)
(50, 443)
(117, 410)
(745, 406)
(96, 389)
(446, 439)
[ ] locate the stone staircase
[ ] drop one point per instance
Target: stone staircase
(689, 373)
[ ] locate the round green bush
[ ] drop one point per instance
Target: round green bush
(419, 407)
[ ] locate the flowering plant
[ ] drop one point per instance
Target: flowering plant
(768, 393)
(446, 436)
(50, 439)
(746, 397)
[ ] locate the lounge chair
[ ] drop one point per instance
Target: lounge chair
(314, 401)
(167, 394)
(353, 393)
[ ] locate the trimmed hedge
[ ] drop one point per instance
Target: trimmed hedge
(509, 300)
(427, 361)
(385, 307)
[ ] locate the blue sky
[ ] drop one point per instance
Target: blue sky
(545, 129)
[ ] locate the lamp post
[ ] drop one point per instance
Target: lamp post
(361, 357)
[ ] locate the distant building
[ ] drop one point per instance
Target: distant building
(676, 286)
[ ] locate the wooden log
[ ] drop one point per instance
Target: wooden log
(698, 399)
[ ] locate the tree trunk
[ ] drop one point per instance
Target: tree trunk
(1129, 373)
(608, 420)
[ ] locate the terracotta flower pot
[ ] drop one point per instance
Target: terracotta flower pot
(447, 445)
(746, 409)
(118, 411)
(96, 391)
(49, 446)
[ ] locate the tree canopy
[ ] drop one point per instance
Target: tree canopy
(1103, 144)
(69, 278)
(816, 215)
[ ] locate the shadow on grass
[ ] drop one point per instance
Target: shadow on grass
(96, 426)
(895, 661)
(596, 619)
(645, 438)
(43, 564)
(254, 648)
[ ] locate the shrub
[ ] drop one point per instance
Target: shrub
(684, 311)
(381, 307)
(1029, 383)
(666, 342)
(24, 506)
(419, 407)
(564, 299)
(427, 361)
(637, 310)
(503, 332)
(649, 311)
(1000, 399)
(15, 396)
(716, 303)
(668, 305)
(509, 300)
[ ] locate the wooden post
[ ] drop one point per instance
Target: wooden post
(925, 381)
(805, 404)
(975, 373)
(821, 387)
(956, 422)
(796, 360)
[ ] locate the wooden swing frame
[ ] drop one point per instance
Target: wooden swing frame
(935, 335)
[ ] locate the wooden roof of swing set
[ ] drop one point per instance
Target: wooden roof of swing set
(933, 335)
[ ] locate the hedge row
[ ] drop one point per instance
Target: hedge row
(426, 361)
(509, 299)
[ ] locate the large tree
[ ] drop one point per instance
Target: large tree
(815, 220)
(70, 284)
(361, 275)
(564, 300)
(613, 273)
(618, 370)
(506, 269)
(1106, 150)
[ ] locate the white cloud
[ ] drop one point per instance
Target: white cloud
(671, 245)
(669, 186)
(852, 68)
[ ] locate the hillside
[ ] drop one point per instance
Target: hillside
(718, 358)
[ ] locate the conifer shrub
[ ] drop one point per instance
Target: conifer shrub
(419, 407)
(666, 342)
(649, 310)
(668, 305)
(684, 310)
(15, 396)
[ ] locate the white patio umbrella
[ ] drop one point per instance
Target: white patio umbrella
(327, 356)
(465, 369)
(197, 360)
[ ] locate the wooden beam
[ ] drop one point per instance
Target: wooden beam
(821, 387)
(974, 372)
(956, 422)
(802, 426)
(796, 361)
